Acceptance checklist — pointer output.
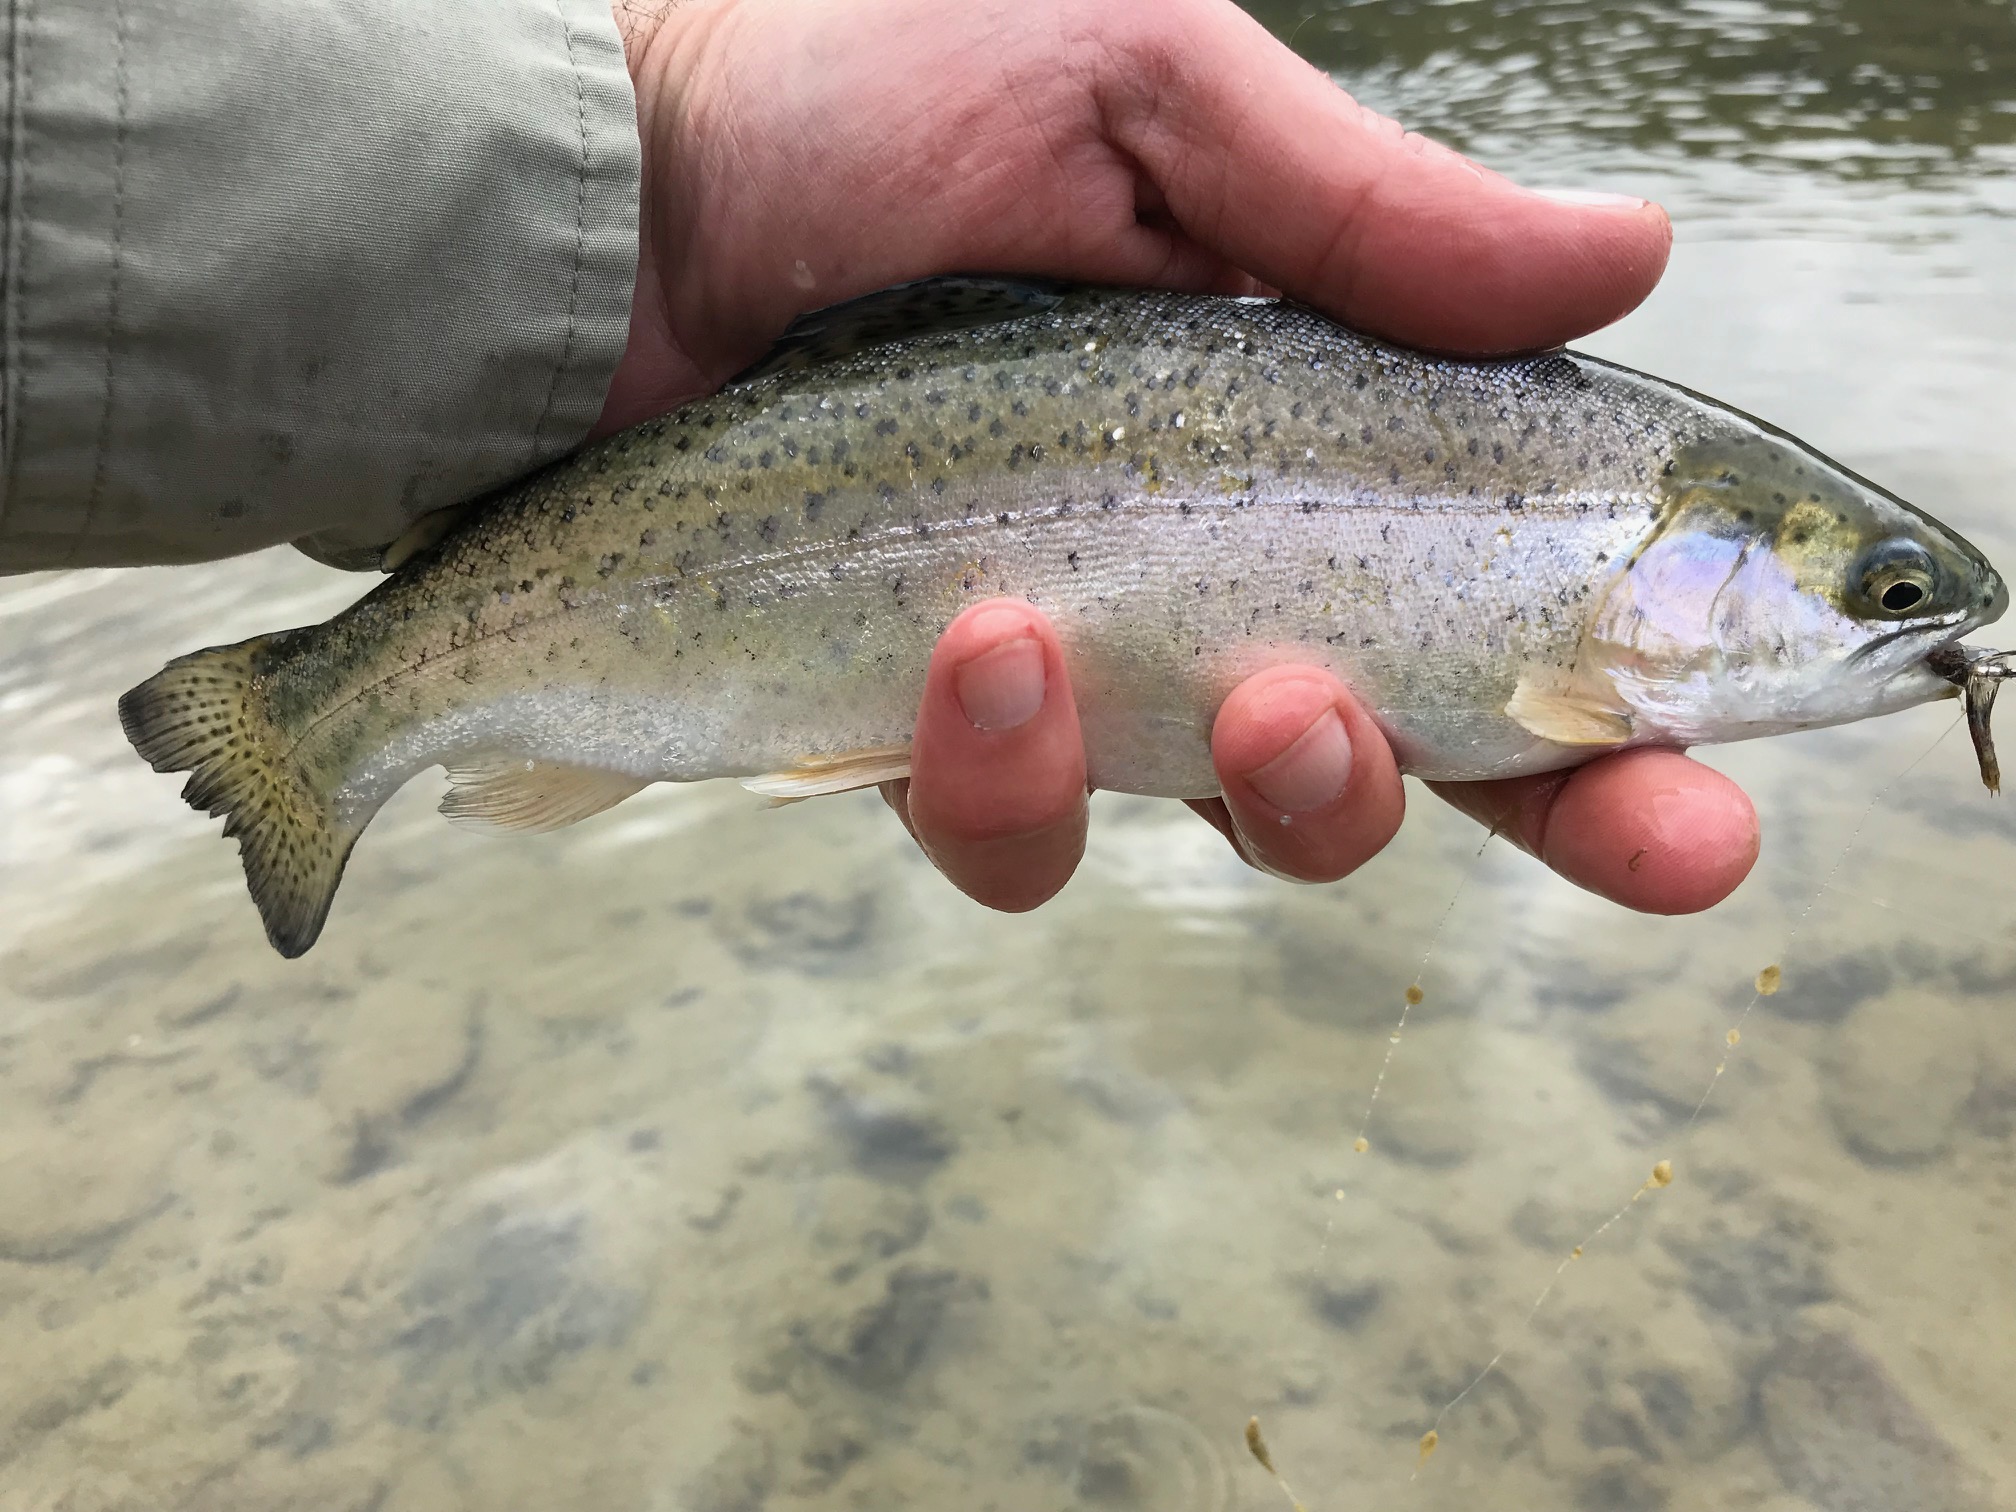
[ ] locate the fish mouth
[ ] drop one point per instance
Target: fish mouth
(1950, 628)
(1955, 663)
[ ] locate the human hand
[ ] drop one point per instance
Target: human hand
(997, 794)
(801, 152)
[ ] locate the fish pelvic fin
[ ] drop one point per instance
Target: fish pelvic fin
(816, 776)
(1569, 718)
(204, 714)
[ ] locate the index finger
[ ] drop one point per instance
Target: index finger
(1651, 829)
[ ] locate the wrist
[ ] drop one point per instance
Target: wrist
(661, 43)
(638, 22)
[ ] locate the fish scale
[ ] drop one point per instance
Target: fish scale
(1192, 488)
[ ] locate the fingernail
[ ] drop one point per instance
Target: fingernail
(1004, 687)
(1594, 199)
(1311, 772)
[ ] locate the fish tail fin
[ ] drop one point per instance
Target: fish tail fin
(205, 714)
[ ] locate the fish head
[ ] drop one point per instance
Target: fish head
(1779, 591)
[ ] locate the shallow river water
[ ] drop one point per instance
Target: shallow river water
(712, 1159)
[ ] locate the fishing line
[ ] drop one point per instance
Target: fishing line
(1769, 979)
(1410, 1000)
(1256, 1445)
(1767, 982)
(1946, 928)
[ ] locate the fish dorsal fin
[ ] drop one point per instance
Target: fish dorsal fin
(515, 793)
(816, 776)
(930, 306)
(1569, 717)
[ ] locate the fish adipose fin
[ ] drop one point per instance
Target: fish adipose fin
(929, 306)
(1568, 718)
(528, 796)
(816, 776)
(202, 714)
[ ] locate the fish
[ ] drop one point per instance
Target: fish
(1516, 564)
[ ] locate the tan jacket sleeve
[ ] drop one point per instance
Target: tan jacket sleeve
(278, 269)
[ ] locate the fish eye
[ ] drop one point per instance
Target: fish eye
(1897, 576)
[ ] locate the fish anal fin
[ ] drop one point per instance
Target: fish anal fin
(816, 776)
(1568, 717)
(527, 795)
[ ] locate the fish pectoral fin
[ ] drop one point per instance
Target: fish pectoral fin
(514, 793)
(1568, 717)
(815, 776)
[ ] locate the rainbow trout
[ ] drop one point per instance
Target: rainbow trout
(1517, 565)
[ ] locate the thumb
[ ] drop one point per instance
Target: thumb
(1262, 161)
